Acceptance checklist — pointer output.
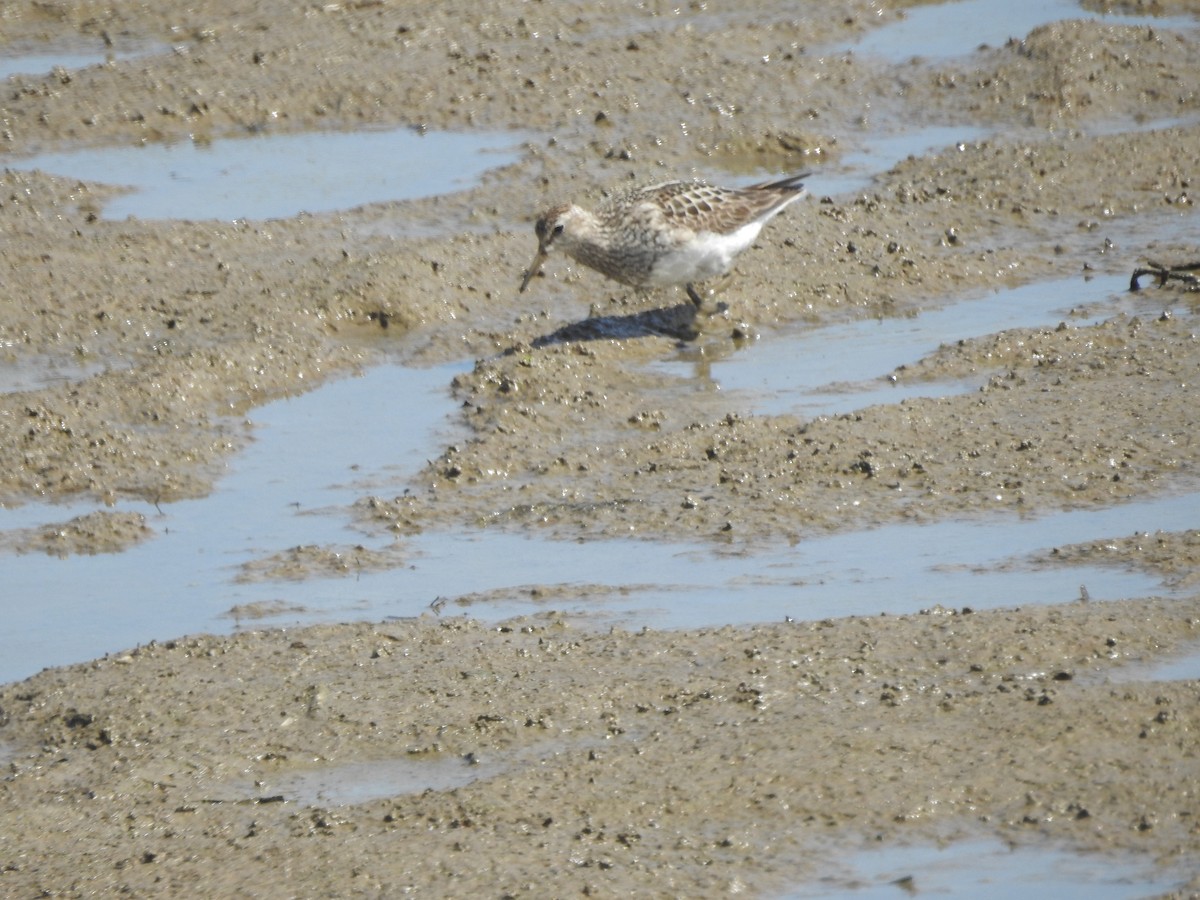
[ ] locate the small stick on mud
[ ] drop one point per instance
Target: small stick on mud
(1183, 273)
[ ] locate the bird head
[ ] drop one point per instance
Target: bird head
(548, 228)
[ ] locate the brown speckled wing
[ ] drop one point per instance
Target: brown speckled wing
(704, 207)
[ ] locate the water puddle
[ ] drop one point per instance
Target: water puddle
(877, 152)
(894, 569)
(942, 31)
(44, 60)
(319, 450)
(276, 176)
(1176, 667)
(796, 373)
(988, 870)
(37, 372)
(350, 783)
(314, 455)
(345, 784)
(854, 172)
(1141, 124)
(70, 609)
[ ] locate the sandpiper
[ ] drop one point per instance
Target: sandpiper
(678, 232)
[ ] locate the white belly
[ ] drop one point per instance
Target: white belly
(705, 256)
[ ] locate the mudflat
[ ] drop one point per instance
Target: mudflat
(662, 762)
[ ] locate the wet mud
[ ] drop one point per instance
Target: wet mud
(672, 763)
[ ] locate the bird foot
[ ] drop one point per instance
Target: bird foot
(717, 309)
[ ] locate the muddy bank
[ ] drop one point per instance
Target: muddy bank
(675, 763)
(1171, 555)
(1064, 417)
(155, 771)
(98, 532)
(192, 324)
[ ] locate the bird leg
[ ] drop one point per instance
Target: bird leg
(716, 286)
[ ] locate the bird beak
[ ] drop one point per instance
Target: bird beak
(534, 268)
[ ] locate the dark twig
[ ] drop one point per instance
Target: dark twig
(1182, 273)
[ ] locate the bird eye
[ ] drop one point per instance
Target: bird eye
(558, 229)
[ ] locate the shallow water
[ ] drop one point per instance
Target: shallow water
(274, 498)
(275, 176)
(65, 610)
(1184, 666)
(987, 870)
(839, 368)
(360, 782)
(875, 153)
(348, 783)
(940, 31)
(45, 60)
(184, 579)
(32, 374)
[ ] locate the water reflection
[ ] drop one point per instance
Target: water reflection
(839, 368)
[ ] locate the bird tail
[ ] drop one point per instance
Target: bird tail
(791, 183)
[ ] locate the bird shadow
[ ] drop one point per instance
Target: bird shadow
(679, 322)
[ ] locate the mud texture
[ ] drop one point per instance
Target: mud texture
(681, 764)
(673, 764)
(1170, 555)
(97, 532)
